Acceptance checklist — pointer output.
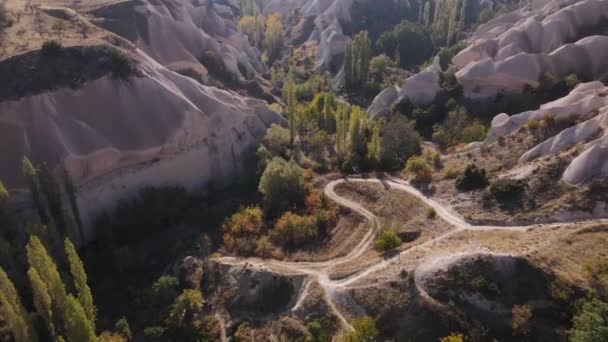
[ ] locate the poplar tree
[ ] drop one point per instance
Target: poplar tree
(52, 192)
(374, 146)
(40, 260)
(426, 15)
(42, 299)
(78, 328)
(80, 280)
(292, 103)
(356, 136)
(13, 311)
(341, 130)
(32, 178)
(356, 61)
(273, 37)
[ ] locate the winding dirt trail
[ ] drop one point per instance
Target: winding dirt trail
(319, 272)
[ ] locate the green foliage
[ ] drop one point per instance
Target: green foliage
(253, 26)
(365, 330)
(475, 131)
(356, 61)
(16, 318)
(472, 178)
(189, 303)
(400, 141)
(449, 21)
(387, 240)
(273, 38)
(85, 297)
(289, 95)
(419, 169)
(447, 53)
(507, 189)
(453, 337)
(431, 213)
(283, 187)
(590, 324)
(374, 146)
(294, 230)
(78, 328)
(40, 260)
(122, 328)
(572, 81)
(560, 290)
(409, 41)
(34, 185)
(317, 331)
(42, 300)
(242, 227)
(4, 196)
(277, 140)
(378, 66)
(165, 289)
(458, 128)
(521, 316)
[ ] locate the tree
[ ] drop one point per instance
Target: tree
(341, 130)
(165, 289)
(292, 103)
(400, 141)
(253, 27)
(590, 324)
(378, 66)
(356, 144)
(42, 299)
(411, 42)
(59, 27)
(80, 280)
(52, 193)
(293, 229)
(521, 319)
(13, 312)
(32, 177)
(273, 37)
(277, 140)
(356, 61)
(419, 168)
(453, 337)
(122, 328)
(78, 328)
(365, 330)
(387, 240)
(40, 260)
(374, 146)
(189, 303)
(245, 225)
(472, 178)
(282, 185)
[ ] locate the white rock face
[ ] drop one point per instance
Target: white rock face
(588, 101)
(116, 137)
(421, 89)
(518, 48)
(178, 34)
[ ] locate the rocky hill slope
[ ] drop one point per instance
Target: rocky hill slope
(149, 126)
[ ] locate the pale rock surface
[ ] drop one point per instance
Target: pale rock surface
(116, 137)
(518, 48)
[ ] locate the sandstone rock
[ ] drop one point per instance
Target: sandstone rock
(190, 273)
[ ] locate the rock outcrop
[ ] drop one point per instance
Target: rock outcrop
(587, 102)
(518, 48)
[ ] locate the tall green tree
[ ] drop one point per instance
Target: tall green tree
(78, 328)
(341, 130)
(356, 142)
(40, 260)
(374, 146)
(273, 38)
(52, 192)
(80, 280)
(292, 103)
(32, 178)
(283, 186)
(42, 300)
(13, 311)
(356, 61)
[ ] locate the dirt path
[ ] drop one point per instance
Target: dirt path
(319, 271)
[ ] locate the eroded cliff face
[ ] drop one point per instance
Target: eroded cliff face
(155, 127)
(515, 50)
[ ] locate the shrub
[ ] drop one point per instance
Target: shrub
(283, 186)
(51, 49)
(387, 240)
(590, 324)
(450, 172)
(293, 229)
(507, 189)
(472, 178)
(400, 141)
(242, 227)
(378, 66)
(475, 131)
(120, 64)
(571, 81)
(431, 213)
(521, 315)
(365, 330)
(560, 290)
(453, 337)
(276, 140)
(419, 168)
(165, 289)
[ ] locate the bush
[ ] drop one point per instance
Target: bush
(378, 66)
(387, 240)
(522, 314)
(431, 213)
(276, 140)
(365, 330)
(475, 131)
(294, 230)
(283, 186)
(121, 65)
(590, 324)
(453, 337)
(51, 49)
(507, 189)
(420, 169)
(400, 141)
(472, 178)
(241, 229)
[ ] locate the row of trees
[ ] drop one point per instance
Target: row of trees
(59, 315)
(265, 33)
(357, 56)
